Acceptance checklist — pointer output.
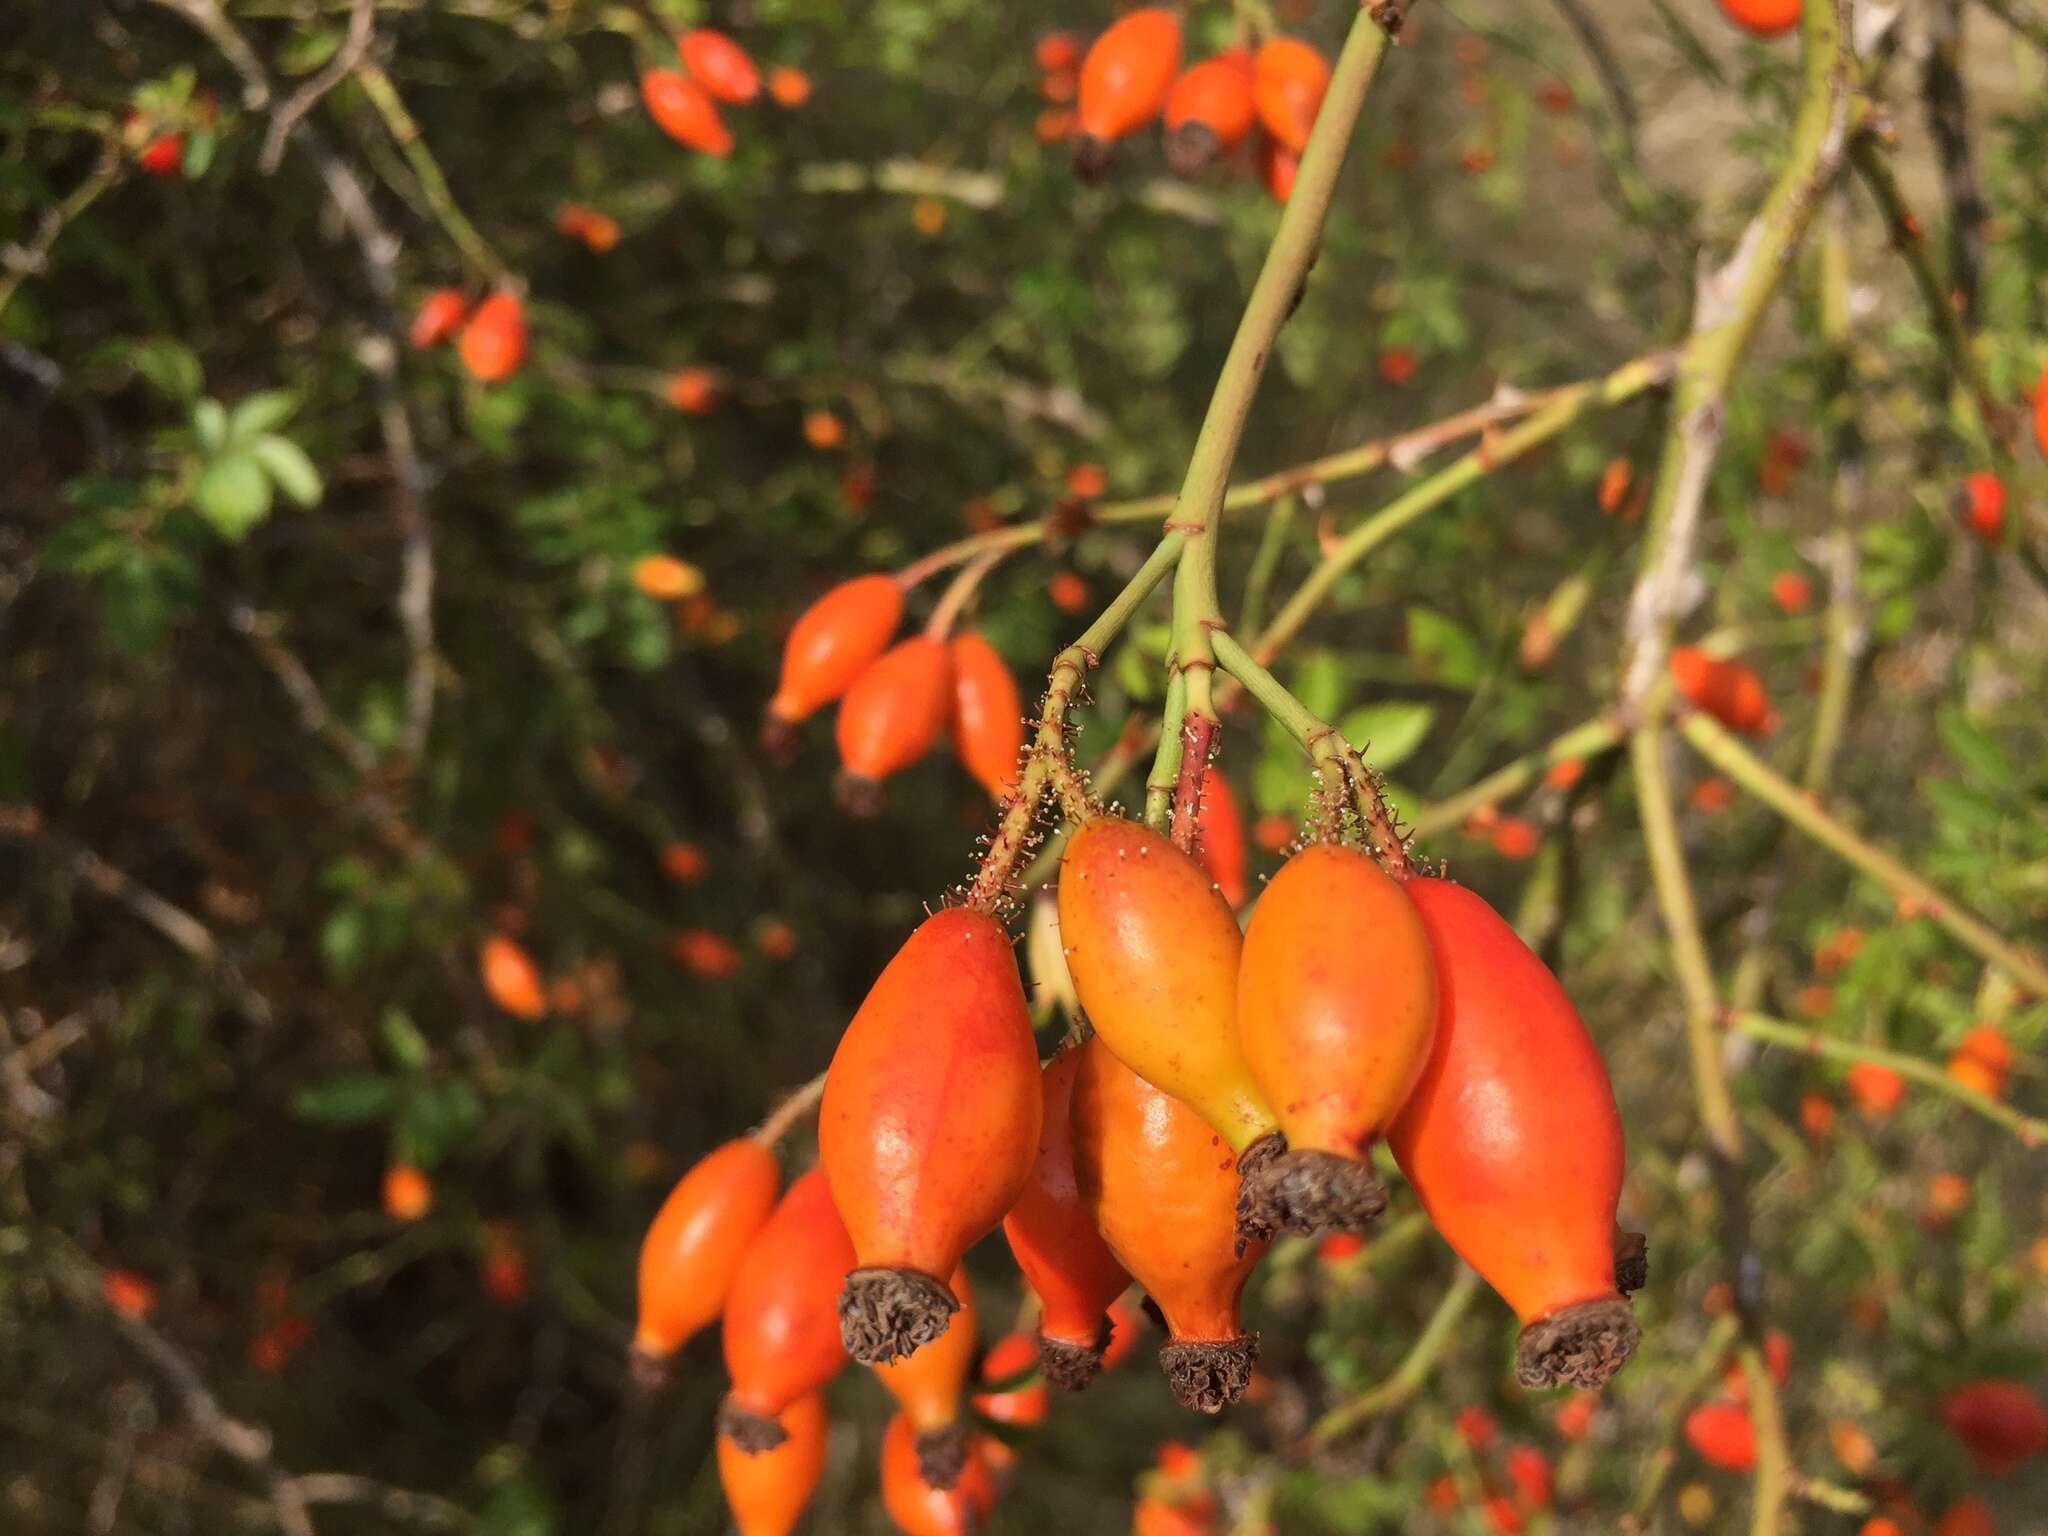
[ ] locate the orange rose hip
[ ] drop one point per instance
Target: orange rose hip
(696, 1242)
(767, 1492)
(930, 1387)
(1513, 1143)
(929, 1125)
(890, 718)
(837, 638)
(1336, 1009)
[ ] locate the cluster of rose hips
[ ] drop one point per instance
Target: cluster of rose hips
(895, 700)
(1264, 99)
(1233, 1086)
(716, 70)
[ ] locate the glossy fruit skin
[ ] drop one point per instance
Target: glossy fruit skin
(1289, 78)
(988, 714)
(1127, 73)
(1052, 1231)
(930, 1120)
(1209, 111)
(2000, 1423)
(930, 1383)
(720, 65)
(896, 710)
(917, 1508)
(839, 637)
(684, 111)
(1763, 18)
(1336, 999)
(1162, 1187)
(1727, 690)
(440, 312)
(493, 342)
(781, 1331)
(767, 1492)
(511, 978)
(1511, 1137)
(1220, 839)
(697, 1240)
(1153, 950)
(1722, 1435)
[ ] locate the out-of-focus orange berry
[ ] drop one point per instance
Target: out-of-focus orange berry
(1339, 1246)
(1948, 1195)
(1876, 1089)
(1397, 365)
(1814, 1002)
(928, 216)
(1853, 1448)
(1791, 591)
(774, 938)
(128, 1293)
(1565, 773)
(823, 430)
(1055, 125)
(1273, 832)
(1615, 480)
(408, 1193)
(1817, 1115)
(1712, 795)
(1575, 1415)
(666, 578)
(503, 1270)
(1476, 1427)
(788, 86)
(706, 955)
(1069, 593)
(1981, 1060)
(1514, 838)
(511, 978)
(693, 391)
(1837, 950)
(684, 862)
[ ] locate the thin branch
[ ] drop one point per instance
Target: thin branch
(1412, 1374)
(362, 22)
(2031, 1130)
(794, 1106)
(21, 823)
(24, 261)
(405, 133)
(260, 630)
(1845, 628)
(1593, 38)
(1947, 104)
(1804, 812)
(2018, 15)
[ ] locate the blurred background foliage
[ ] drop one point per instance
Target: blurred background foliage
(239, 916)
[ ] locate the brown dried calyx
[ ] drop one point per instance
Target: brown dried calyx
(752, 1432)
(942, 1455)
(1207, 1374)
(1631, 1261)
(1580, 1346)
(858, 796)
(1070, 1366)
(1308, 1191)
(884, 1314)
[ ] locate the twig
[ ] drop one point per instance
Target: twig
(2016, 15)
(1948, 120)
(1593, 38)
(1804, 812)
(2030, 1129)
(1584, 740)
(361, 32)
(23, 823)
(794, 1106)
(1411, 1375)
(405, 133)
(1728, 308)
(23, 261)
(314, 714)
(1910, 240)
(1845, 628)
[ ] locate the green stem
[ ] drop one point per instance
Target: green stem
(2030, 1129)
(1412, 1374)
(1166, 760)
(1805, 813)
(405, 133)
(1198, 512)
(1259, 579)
(1844, 619)
(81, 197)
(1583, 740)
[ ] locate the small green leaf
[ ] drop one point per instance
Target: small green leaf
(233, 494)
(1319, 683)
(1444, 651)
(287, 465)
(171, 367)
(306, 50)
(200, 147)
(1976, 750)
(349, 1098)
(1388, 734)
(210, 425)
(403, 1042)
(262, 412)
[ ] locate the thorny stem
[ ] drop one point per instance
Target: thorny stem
(1048, 766)
(1198, 512)
(1412, 1374)
(1403, 450)
(1805, 813)
(1327, 749)
(1561, 408)
(798, 1103)
(405, 133)
(2031, 1130)
(1909, 239)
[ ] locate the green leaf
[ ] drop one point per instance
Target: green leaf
(233, 494)
(348, 1098)
(210, 425)
(170, 367)
(1444, 651)
(287, 465)
(200, 147)
(403, 1042)
(261, 413)
(305, 51)
(1388, 734)
(344, 940)
(1976, 751)
(1319, 683)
